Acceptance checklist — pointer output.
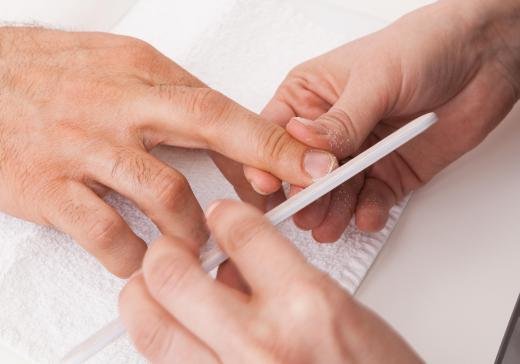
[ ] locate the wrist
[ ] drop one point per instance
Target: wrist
(495, 25)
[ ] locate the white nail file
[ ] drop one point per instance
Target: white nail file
(282, 212)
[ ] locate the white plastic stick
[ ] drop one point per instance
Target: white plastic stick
(115, 329)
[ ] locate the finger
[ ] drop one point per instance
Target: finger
(341, 209)
(267, 261)
(343, 128)
(219, 124)
(229, 274)
(279, 112)
(161, 192)
(264, 183)
(234, 173)
(167, 72)
(207, 308)
(313, 215)
(374, 203)
(79, 212)
(154, 332)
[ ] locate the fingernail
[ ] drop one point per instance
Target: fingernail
(257, 189)
(211, 208)
(318, 128)
(318, 163)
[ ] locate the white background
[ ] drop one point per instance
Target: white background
(449, 275)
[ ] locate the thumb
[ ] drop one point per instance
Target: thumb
(219, 124)
(343, 129)
(245, 137)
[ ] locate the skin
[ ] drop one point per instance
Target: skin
(460, 59)
(176, 313)
(79, 114)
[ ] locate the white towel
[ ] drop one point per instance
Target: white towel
(53, 294)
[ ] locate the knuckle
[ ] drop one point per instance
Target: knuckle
(138, 52)
(272, 142)
(210, 104)
(126, 162)
(170, 187)
(267, 334)
(310, 296)
(299, 72)
(170, 93)
(103, 230)
(207, 99)
(72, 211)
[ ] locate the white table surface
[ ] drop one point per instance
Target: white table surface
(449, 275)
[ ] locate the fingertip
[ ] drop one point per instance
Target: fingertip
(222, 212)
(371, 219)
(374, 204)
(325, 235)
(262, 182)
(342, 203)
(313, 215)
(211, 208)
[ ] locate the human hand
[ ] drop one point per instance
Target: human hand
(80, 111)
(460, 59)
(175, 312)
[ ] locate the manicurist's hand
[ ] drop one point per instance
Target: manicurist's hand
(79, 113)
(460, 59)
(176, 313)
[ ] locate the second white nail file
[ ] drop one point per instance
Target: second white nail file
(282, 212)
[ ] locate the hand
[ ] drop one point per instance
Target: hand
(79, 113)
(460, 59)
(176, 313)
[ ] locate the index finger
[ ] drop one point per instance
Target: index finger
(266, 259)
(203, 118)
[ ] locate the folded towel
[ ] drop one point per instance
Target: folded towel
(53, 294)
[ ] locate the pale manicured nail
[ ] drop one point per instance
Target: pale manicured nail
(318, 163)
(315, 126)
(211, 208)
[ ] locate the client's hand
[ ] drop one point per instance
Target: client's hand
(460, 59)
(176, 313)
(79, 113)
